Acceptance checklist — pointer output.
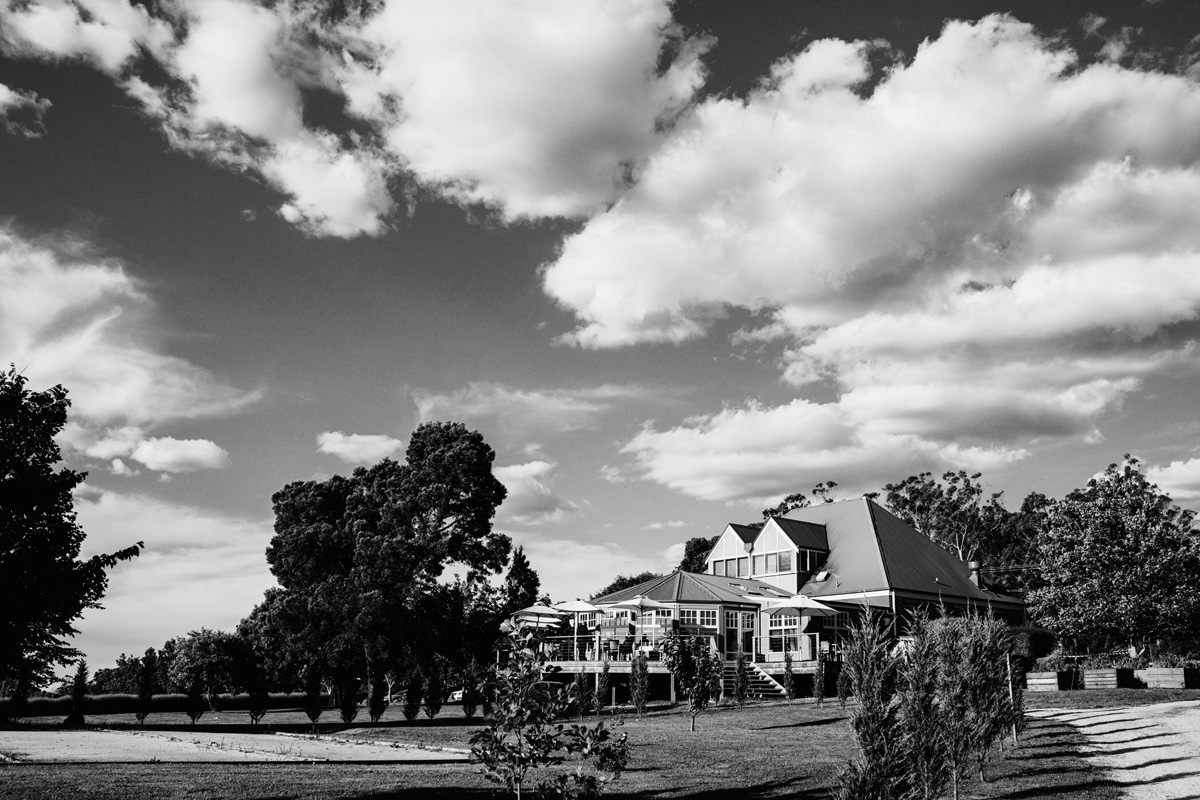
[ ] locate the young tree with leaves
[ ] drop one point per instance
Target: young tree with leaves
(525, 733)
(600, 692)
(44, 586)
(79, 693)
(697, 670)
(919, 716)
(789, 676)
(521, 583)
(625, 581)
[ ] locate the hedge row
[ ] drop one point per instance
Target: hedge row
(159, 704)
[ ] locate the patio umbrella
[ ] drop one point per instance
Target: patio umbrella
(641, 603)
(803, 606)
(539, 616)
(576, 607)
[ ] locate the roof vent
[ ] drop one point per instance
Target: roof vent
(821, 576)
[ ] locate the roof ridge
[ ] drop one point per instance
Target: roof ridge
(887, 574)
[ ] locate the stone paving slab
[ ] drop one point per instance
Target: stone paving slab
(107, 746)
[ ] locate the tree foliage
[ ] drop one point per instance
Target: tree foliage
(695, 553)
(823, 492)
(869, 675)
(44, 586)
(625, 581)
(1120, 562)
(697, 670)
(358, 561)
(639, 683)
(521, 583)
(525, 733)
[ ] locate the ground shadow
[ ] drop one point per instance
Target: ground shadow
(808, 723)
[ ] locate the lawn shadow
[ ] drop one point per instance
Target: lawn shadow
(808, 723)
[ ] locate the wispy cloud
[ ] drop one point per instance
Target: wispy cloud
(202, 569)
(520, 412)
(69, 317)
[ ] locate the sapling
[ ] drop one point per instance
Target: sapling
(789, 676)
(697, 670)
(600, 696)
(434, 690)
(413, 687)
(639, 683)
(741, 677)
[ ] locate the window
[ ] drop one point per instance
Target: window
(708, 618)
(785, 562)
(784, 621)
(663, 613)
(731, 620)
(748, 620)
(760, 565)
(772, 562)
(743, 565)
(718, 568)
(687, 616)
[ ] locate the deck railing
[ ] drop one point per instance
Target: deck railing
(770, 648)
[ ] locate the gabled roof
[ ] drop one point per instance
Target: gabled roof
(870, 549)
(808, 535)
(691, 587)
(747, 533)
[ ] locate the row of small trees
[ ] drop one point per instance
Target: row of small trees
(928, 708)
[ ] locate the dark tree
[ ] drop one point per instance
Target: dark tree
(147, 684)
(953, 512)
(822, 491)
(695, 553)
(521, 584)
(359, 558)
(44, 587)
(625, 581)
(121, 679)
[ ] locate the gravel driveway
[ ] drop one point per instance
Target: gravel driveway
(1151, 752)
(109, 746)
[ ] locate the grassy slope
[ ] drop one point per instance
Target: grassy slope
(773, 750)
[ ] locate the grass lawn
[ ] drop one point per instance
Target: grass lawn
(761, 751)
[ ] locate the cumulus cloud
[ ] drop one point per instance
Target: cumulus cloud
(1179, 479)
(531, 107)
(759, 452)
(165, 454)
(71, 318)
(515, 411)
(21, 113)
(202, 569)
(531, 497)
(358, 448)
(538, 108)
(993, 245)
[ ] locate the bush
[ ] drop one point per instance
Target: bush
(639, 683)
(435, 690)
(412, 695)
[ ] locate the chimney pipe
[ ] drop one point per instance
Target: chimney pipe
(973, 567)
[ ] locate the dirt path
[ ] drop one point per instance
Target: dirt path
(108, 746)
(1150, 752)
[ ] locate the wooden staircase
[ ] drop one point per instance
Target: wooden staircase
(761, 686)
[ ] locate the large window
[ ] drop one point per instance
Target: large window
(731, 620)
(785, 561)
(687, 616)
(760, 565)
(743, 566)
(783, 633)
(718, 567)
(708, 618)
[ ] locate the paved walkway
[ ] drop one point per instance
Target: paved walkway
(108, 746)
(1151, 752)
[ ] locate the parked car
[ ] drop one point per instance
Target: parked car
(455, 697)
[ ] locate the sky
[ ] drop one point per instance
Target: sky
(673, 260)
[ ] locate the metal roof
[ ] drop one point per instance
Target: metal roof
(690, 587)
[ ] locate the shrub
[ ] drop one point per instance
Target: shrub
(639, 683)
(789, 677)
(78, 694)
(412, 694)
(869, 674)
(314, 700)
(473, 685)
(348, 699)
(741, 677)
(146, 684)
(435, 690)
(600, 696)
(819, 679)
(377, 696)
(922, 735)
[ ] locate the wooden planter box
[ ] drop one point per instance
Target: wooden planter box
(1109, 678)
(1051, 681)
(1168, 677)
